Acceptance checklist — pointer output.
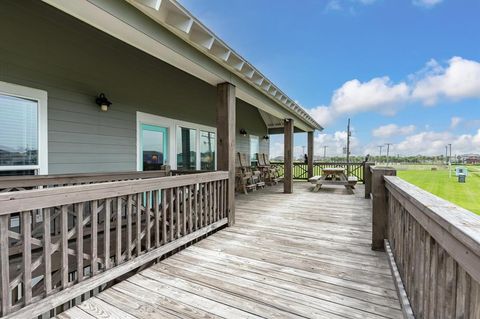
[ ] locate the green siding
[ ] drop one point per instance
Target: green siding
(74, 62)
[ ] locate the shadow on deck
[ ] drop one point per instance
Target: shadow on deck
(303, 255)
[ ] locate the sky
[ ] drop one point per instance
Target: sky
(405, 72)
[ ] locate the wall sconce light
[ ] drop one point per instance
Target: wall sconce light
(266, 137)
(243, 132)
(103, 102)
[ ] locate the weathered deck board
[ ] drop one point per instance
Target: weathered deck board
(300, 255)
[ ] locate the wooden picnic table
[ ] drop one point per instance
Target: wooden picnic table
(333, 176)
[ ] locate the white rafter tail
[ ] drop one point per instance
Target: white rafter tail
(154, 4)
(200, 36)
(247, 70)
(176, 18)
(235, 61)
(272, 90)
(257, 78)
(219, 50)
(266, 85)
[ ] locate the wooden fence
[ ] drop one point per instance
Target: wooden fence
(434, 246)
(105, 231)
(300, 170)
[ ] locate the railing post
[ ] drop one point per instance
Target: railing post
(226, 106)
(379, 206)
(288, 154)
(310, 154)
(367, 177)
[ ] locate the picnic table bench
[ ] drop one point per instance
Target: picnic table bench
(333, 176)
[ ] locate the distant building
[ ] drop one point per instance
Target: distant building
(470, 158)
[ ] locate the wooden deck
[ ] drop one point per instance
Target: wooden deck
(304, 255)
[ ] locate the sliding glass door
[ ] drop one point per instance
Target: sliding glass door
(154, 147)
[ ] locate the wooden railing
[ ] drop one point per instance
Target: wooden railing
(434, 247)
(106, 230)
(17, 183)
(300, 170)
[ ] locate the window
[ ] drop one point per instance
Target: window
(23, 130)
(186, 148)
(254, 148)
(208, 145)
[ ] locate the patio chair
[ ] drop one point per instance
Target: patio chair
(249, 178)
(269, 173)
(273, 168)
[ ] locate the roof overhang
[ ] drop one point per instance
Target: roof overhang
(253, 87)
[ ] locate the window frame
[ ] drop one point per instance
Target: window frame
(172, 126)
(253, 159)
(41, 96)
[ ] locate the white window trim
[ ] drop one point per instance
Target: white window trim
(41, 97)
(171, 125)
(252, 153)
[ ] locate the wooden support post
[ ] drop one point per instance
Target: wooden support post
(226, 108)
(310, 154)
(288, 154)
(380, 206)
(367, 177)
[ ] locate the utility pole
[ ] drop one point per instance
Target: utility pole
(348, 146)
(325, 152)
(380, 147)
(388, 150)
(450, 161)
(446, 154)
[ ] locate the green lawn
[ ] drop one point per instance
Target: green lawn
(466, 195)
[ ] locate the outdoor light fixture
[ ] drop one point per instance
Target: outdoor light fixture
(266, 137)
(243, 132)
(103, 102)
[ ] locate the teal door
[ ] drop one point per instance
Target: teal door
(153, 147)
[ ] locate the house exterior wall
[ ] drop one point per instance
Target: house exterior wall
(74, 62)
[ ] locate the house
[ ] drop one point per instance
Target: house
(100, 98)
(159, 70)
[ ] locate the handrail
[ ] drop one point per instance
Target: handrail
(8, 183)
(300, 169)
(436, 247)
(105, 229)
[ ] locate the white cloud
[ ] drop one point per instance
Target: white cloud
(335, 143)
(460, 79)
(426, 3)
(431, 143)
(455, 121)
(392, 130)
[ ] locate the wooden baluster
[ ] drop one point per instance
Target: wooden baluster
(27, 256)
(64, 241)
(118, 228)
(79, 244)
(170, 209)
(210, 203)
(47, 252)
(129, 226)
(164, 217)
(147, 220)
(4, 265)
(94, 238)
(190, 215)
(139, 223)
(215, 203)
(200, 205)
(195, 216)
(220, 195)
(106, 235)
(184, 211)
(177, 209)
(157, 218)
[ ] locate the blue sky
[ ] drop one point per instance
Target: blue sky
(405, 71)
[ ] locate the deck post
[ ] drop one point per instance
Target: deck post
(288, 153)
(310, 154)
(367, 178)
(379, 206)
(226, 108)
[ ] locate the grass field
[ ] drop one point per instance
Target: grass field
(466, 195)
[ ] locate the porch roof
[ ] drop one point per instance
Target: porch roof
(119, 20)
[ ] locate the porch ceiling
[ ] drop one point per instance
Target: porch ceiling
(228, 66)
